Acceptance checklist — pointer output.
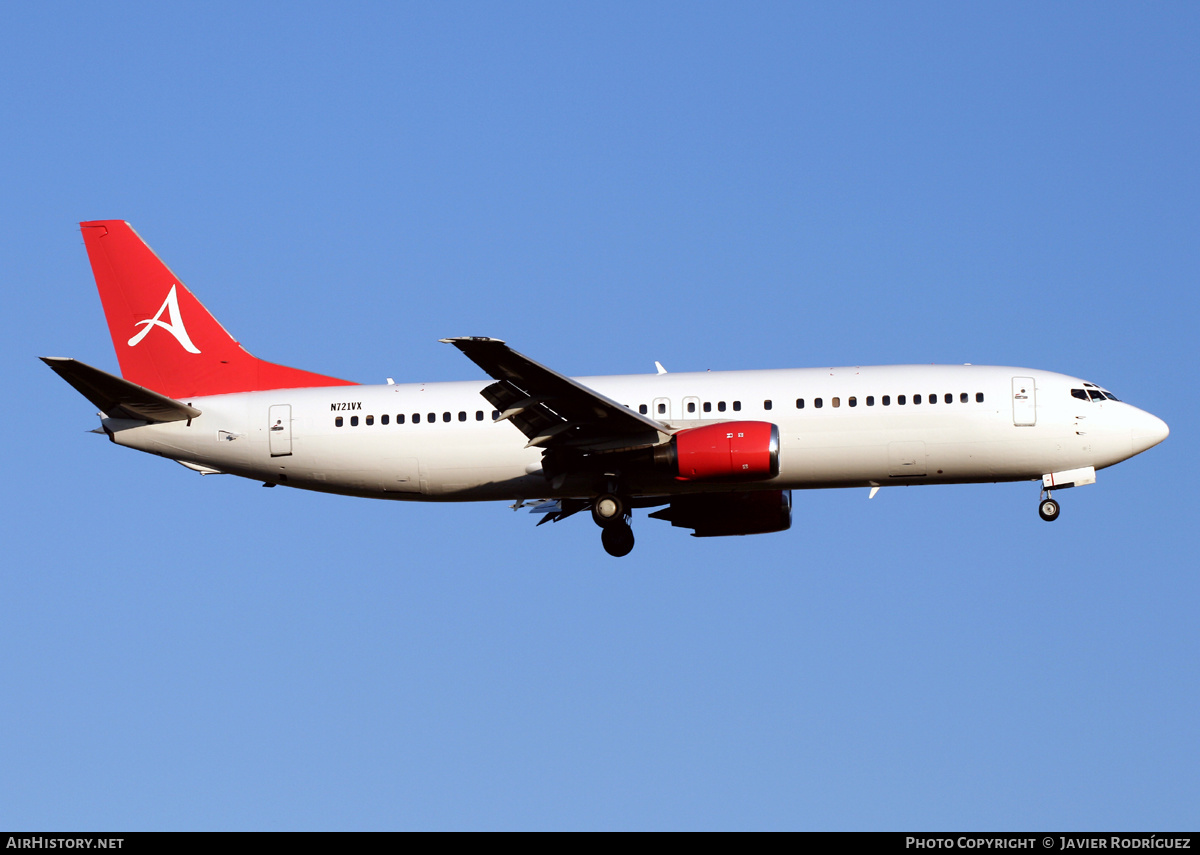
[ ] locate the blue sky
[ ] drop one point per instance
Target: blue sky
(712, 186)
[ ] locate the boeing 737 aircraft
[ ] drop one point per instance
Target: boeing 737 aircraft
(718, 452)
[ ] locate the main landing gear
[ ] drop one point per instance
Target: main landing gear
(611, 513)
(1047, 507)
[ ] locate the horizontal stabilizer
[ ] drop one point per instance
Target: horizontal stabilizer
(118, 398)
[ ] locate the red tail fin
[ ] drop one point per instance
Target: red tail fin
(165, 339)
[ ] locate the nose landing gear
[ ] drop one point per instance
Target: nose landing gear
(1048, 508)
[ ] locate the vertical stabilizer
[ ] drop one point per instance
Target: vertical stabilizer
(164, 337)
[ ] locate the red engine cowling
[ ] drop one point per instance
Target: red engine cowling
(730, 451)
(727, 514)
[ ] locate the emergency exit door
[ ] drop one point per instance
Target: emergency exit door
(280, 430)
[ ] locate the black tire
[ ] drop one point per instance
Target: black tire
(608, 510)
(1048, 510)
(617, 540)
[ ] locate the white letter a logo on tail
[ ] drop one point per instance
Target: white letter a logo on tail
(173, 324)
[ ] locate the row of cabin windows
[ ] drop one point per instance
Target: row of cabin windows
(661, 409)
(886, 400)
(416, 418)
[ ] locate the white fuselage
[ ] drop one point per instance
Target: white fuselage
(438, 441)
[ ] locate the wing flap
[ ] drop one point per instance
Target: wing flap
(118, 398)
(552, 410)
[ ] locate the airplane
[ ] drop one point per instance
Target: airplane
(716, 452)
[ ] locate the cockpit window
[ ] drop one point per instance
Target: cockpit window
(1096, 393)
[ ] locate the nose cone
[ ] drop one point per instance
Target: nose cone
(1148, 431)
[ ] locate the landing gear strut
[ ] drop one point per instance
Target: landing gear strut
(1048, 508)
(612, 515)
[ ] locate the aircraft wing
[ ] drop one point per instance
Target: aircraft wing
(554, 411)
(116, 397)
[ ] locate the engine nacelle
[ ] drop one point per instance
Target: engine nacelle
(730, 451)
(726, 514)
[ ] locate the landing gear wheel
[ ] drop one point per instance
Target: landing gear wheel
(608, 510)
(617, 539)
(1048, 510)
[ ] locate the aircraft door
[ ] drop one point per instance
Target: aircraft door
(1024, 402)
(279, 429)
(661, 409)
(691, 408)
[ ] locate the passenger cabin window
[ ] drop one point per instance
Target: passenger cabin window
(720, 406)
(479, 415)
(900, 400)
(979, 397)
(818, 403)
(887, 400)
(737, 406)
(870, 400)
(916, 399)
(416, 418)
(708, 406)
(399, 418)
(354, 421)
(462, 415)
(643, 409)
(495, 414)
(691, 407)
(766, 405)
(370, 420)
(338, 422)
(852, 402)
(431, 417)
(949, 398)
(933, 398)
(384, 419)
(662, 409)
(837, 402)
(799, 403)
(963, 398)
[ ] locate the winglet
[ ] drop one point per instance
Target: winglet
(468, 338)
